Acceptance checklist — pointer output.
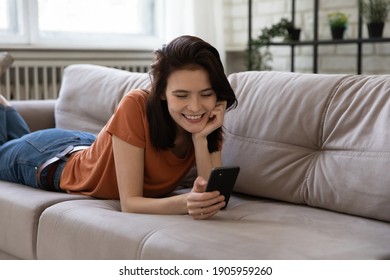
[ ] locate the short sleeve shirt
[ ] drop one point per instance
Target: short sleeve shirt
(92, 171)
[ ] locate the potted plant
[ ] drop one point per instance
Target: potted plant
(338, 24)
(293, 33)
(260, 55)
(375, 13)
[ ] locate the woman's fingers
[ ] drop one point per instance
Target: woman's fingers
(204, 205)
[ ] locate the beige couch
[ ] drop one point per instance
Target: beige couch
(314, 152)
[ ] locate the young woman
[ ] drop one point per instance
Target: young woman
(150, 143)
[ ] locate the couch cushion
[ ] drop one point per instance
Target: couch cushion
(20, 209)
(248, 229)
(89, 95)
(38, 114)
(6, 256)
(320, 140)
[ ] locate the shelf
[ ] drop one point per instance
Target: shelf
(331, 42)
(315, 43)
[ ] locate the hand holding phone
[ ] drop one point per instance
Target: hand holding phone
(222, 179)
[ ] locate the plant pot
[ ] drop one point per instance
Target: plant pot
(375, 29)
(294, 33)
(337, 32)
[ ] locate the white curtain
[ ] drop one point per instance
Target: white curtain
(202, 18)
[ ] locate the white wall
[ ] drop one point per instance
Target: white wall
(332, 58)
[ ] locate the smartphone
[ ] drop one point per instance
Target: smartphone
(222, 179)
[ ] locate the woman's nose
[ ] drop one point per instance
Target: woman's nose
(194, 104)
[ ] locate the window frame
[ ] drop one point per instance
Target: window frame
(20, 37)
(29, 36)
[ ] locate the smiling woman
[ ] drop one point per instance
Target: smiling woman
(154, 138)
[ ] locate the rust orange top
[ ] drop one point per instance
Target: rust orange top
(92, 171)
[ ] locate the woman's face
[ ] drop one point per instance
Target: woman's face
(190, 99)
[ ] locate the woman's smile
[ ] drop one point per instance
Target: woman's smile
(193, 118)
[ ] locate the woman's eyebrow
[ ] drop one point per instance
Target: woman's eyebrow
(180, 91)
(187, 91)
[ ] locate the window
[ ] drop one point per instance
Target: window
(81, 23)
(11, 29)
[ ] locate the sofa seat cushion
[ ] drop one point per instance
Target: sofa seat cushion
(315, 139)
(6, 256)
(89, 95)
(20, 210)
(250, 228)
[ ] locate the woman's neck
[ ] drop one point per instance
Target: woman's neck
(182, 145)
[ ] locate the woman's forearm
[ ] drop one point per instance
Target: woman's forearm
(205, 161)
(172, 205)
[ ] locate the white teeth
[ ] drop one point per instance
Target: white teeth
(193, 117)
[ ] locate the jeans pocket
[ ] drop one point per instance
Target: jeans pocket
(50, 139)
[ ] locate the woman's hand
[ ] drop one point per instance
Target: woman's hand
(215, 119)
(202, 205)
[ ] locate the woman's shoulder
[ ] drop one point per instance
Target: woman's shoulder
(135, 97)
(138, 93)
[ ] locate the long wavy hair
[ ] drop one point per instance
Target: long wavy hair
(185, 52)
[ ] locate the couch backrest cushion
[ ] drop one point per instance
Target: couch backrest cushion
(89, 95)
(315, 139)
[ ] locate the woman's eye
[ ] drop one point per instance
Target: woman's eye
(207, 94)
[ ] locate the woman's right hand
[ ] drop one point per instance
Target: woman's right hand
(202, 205)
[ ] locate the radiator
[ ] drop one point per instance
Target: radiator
(41, 79)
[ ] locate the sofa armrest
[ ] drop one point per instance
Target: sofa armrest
(38, 114)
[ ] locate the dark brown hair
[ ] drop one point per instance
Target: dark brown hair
(185, 52)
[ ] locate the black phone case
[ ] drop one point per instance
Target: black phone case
(222, 179)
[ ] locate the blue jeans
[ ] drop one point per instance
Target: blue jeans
(22, 152)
